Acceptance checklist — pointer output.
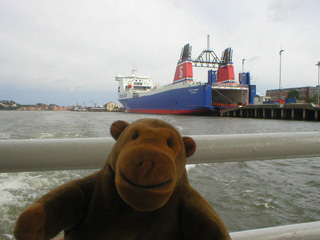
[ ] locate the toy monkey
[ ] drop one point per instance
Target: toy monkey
(141, 193)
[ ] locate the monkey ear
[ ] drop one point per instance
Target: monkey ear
(117, 127)
(189, 145)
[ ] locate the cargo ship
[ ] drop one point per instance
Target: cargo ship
(184, 95)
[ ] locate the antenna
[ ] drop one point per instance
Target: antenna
(134, 70)
(208, 42)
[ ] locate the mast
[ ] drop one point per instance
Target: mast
(208, 58)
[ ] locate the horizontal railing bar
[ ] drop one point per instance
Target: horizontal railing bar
(90, 153)
(302, 231)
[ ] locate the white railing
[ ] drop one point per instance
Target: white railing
(83, 153)
(302, 231)
(56, 154)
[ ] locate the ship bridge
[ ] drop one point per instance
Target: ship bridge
(133, 83)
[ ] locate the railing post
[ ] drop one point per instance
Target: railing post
(292, 114)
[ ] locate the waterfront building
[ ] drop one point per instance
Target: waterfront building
(111, 106)
(304, 92)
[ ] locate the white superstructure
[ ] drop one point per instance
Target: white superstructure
(133, 83)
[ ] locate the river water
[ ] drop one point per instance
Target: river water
(247, 196)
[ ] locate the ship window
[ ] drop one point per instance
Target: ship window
(137, 83)
(141, 88)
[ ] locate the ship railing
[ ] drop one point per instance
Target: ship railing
(225, 105)
(238, 85)
(91, 153)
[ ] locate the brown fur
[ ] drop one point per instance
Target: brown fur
(142, 192)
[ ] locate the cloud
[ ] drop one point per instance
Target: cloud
(79, 46)
(284, 9)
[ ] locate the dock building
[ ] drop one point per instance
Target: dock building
(304, 92)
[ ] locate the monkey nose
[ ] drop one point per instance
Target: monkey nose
(145, 167)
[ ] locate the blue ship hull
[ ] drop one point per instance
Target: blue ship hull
(189, 100)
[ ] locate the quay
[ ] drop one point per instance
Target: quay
(291, 111)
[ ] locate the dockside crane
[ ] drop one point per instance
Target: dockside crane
(94, 103)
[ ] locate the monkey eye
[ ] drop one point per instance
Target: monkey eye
(135, 135)
(170, 143)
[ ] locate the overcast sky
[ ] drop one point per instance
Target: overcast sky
(68, 51)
